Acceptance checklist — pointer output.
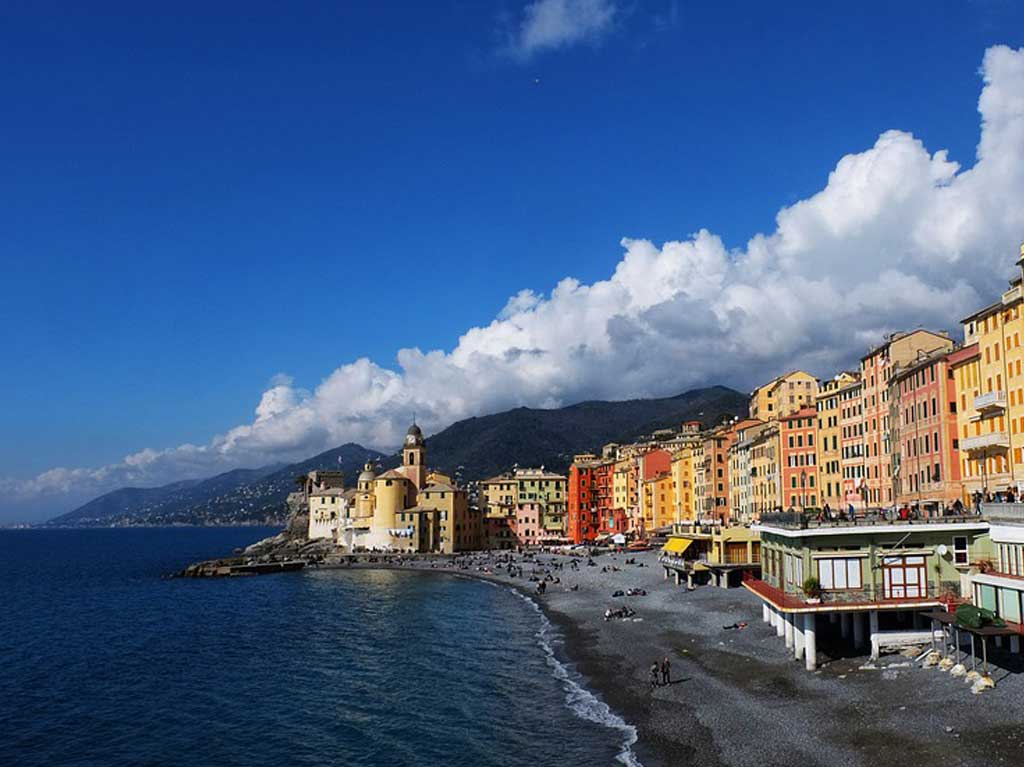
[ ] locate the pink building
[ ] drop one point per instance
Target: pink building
(529, 527)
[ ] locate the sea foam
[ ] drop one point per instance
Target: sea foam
(578, 698)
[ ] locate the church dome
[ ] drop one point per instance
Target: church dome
(368, 474)
(414, 431)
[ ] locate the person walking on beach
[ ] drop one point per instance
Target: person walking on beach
(654, 675)
(666, 672)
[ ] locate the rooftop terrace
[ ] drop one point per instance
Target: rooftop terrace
(795, 520)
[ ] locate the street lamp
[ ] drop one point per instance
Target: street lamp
(803, 495)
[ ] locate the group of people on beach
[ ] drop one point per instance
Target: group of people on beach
(661, 673)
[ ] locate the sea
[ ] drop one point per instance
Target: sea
(106, 661)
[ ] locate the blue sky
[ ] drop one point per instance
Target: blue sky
(200, 200)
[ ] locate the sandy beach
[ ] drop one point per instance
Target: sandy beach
(737, 697)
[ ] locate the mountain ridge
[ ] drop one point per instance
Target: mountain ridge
(473, 448)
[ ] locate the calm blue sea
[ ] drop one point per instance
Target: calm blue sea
(104, 661)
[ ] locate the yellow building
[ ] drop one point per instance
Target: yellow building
(830, 448)
(683, 490)
(658, 502)
(664, 501)
(623, 475)
(990, 393)
(499, 496)
(783, 395)
(503, 495)
(444, 510)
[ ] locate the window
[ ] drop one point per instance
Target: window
(960, 554)
(839, 574)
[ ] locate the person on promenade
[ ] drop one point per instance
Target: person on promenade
(654, 675)
(666, 672)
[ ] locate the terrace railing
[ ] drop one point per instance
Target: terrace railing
(1012, 513)
(794, 520)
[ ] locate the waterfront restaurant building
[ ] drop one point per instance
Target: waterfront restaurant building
(873, 575)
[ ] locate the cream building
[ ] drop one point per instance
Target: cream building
(765, 480)
(741, 485)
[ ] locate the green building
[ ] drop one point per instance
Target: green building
(867, 577)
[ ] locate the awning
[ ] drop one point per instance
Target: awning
(619, 539)
(676, 546)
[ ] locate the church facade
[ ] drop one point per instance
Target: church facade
(407, 509)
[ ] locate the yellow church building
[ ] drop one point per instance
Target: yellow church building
(407, 509)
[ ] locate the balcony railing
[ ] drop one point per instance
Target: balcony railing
(996, 439)
(794, 520)
(870, 594)
(990, 401)
(1012, 294)
(1003, 512)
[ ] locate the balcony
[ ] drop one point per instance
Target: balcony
(994, 441)
(1013, 294)
(990, 402)
(870, 595)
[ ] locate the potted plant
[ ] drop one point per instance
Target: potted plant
(812, 590)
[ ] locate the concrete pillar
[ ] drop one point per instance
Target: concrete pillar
(788, 628)
(780, 624)
(798, 637)
(765, 615)
(810, 643)
(999, 641)
(844, 625)
(858, 629)
(918, 620)
(1015, 643)
(873, 632)
(723, 580)
(832, 618)
(665, 573)
(677, 577)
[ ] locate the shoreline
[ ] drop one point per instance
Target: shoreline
(737, 697)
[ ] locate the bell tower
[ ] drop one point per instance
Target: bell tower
(414, 457)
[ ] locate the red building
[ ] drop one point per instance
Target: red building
(798, 437)
(590, 502)
(581, 500)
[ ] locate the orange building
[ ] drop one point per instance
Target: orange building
(799, 470)
(926, 455)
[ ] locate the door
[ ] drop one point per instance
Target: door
(904, 578)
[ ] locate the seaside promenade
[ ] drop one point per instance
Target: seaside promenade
(737, 696)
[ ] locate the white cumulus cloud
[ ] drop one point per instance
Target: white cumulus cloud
(550, 24)
(898, 237)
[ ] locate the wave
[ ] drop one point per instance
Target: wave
(578, 698)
